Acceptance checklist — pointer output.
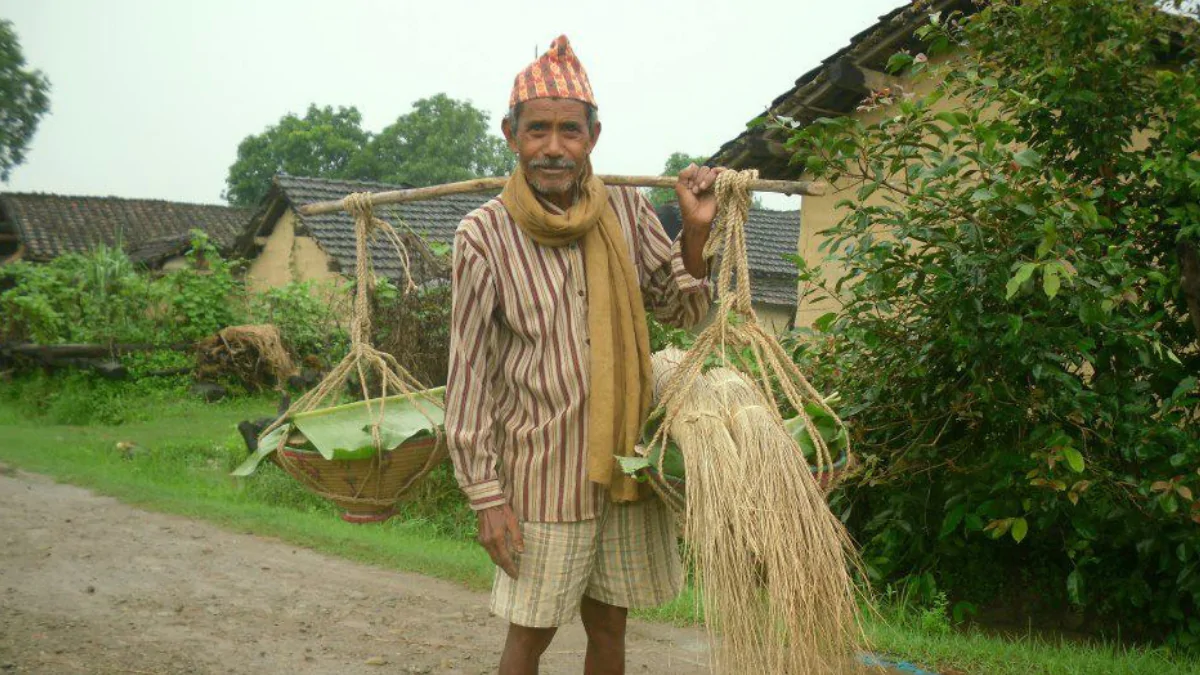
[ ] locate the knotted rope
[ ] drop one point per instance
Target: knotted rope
(736, 326)
(364, 360)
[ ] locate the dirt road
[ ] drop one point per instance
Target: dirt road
(90, 585)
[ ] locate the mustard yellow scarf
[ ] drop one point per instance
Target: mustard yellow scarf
(619, 362)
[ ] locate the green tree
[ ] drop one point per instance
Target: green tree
(1016, 356)
(321, 145)
(441, 140)
(24, 99)
(677, 162)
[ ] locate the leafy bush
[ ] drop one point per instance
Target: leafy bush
(203, 294)
(1014, 344)
(415, 328)
(98, 297)
(306, 314)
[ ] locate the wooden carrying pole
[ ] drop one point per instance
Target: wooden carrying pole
(787, 187)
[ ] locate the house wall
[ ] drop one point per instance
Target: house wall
(287, 257)
(821, 213)
(775, 318)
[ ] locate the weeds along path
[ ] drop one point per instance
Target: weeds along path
(90, 585)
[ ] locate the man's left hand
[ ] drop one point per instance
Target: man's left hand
(697, 199)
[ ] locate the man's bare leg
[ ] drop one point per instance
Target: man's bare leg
(523, 649)
(605, 627)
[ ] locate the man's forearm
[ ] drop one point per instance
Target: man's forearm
(694, 240)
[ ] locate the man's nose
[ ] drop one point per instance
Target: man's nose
(554, 148)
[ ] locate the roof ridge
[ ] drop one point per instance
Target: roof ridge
(149, 200)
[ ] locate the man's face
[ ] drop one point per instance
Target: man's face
(552, 140)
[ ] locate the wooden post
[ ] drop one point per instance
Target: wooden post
(787, 187)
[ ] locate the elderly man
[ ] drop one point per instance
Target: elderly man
(550, 373)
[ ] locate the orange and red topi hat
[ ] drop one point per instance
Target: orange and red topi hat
(555, 74)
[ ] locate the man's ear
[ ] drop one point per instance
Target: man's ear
(510, 134)
(595, 136)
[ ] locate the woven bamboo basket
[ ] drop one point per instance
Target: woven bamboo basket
(367, 490)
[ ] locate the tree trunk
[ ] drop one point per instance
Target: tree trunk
(1189, 264)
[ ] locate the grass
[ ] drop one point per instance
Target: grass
(183, 450)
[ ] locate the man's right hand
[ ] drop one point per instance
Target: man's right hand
(500, 534)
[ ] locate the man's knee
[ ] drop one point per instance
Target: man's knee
(602, 621)
(529, 641)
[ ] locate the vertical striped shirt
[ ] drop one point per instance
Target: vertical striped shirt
(517, 391)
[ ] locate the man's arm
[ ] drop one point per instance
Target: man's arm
(468, 402)
(697, 209)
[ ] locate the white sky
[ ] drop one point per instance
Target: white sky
(150, 98)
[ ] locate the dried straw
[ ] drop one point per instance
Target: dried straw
(773, 564)
(266, 342)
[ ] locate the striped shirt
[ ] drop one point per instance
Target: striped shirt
(517, 391)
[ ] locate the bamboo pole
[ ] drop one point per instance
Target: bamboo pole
(787, 187)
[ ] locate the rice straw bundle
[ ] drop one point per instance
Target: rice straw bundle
(773, 564)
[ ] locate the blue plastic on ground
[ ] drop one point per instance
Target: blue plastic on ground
(878, 661)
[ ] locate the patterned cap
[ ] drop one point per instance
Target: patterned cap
(556, 74)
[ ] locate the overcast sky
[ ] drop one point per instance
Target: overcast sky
(150, 98)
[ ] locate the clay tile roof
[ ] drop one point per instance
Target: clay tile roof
(149, 230)
(435, 219)
(821, 92)
(770, 237)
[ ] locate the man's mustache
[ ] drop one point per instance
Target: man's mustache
(552, 164)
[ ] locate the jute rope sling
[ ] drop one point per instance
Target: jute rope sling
(364, 360)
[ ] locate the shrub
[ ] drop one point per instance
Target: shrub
(1014, 345)
(98, 297)
(203, 294)
(307, 316)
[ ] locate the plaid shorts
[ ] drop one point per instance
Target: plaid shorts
(627, 557)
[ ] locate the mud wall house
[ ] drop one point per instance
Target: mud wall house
(835, 88)
(154, 233)
(282, 245)
(770, 239)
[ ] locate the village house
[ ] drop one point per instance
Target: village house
(40, 227)
(836, 88)
(283, 246)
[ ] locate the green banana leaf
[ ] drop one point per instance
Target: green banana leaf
(344, 431)
(835, 435)
(266, 445)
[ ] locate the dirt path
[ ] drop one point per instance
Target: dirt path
(90, 585)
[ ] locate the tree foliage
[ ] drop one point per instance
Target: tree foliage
(319, 145)
(24, 99)
(677, 162)
(1013, 341)
(440, 140)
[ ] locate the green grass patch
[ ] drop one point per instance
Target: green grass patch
(174, 455)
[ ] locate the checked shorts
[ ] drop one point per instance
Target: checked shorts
(627, 557)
